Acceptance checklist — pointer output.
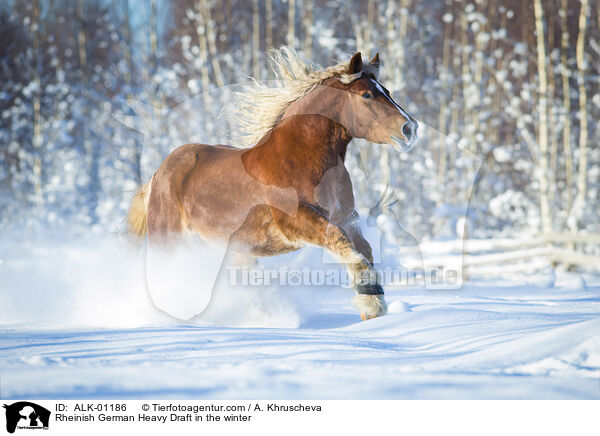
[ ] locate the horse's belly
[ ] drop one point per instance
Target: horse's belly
(259, 235)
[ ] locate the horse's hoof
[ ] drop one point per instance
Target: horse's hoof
(365, 317)
(370, 306)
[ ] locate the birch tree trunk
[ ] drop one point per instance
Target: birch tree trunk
(564, 47)
(480, 44)
(36, 104)
(551, 113)
(492, 133)
(442, 120)
(153, 35)
(137, 150)
(583, 118)
(200, 26)
(88, 145)
(465, 80)
(255, 38)
(202, 45)
(269, 24)
(404, 4)
(209, 25)
(291, 35)
(390, 27)
(454, 113)
(543, 117)
(369, 25)
(308, 22)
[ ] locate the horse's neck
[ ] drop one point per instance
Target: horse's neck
(314, 136)
(300, 152)
(339, 138)
(313, 123)
(308, 139)
(307, 145)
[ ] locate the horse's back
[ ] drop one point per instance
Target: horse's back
(178, 166)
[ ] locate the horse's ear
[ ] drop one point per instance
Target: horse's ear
(375, 60)
(355, 65)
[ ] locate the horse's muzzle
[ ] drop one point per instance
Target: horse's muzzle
(409, 131)
(401, 144)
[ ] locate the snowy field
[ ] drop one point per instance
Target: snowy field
(77, 323)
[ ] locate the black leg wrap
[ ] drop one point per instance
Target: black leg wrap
(369, 289)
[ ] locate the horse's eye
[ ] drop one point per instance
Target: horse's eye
(367, 95)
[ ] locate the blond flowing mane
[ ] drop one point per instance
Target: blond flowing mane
(260, 107)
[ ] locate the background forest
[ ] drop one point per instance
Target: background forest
(506, 92)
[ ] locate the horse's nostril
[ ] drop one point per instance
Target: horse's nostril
(407, 131)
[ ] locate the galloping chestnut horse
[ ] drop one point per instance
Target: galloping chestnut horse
(290, 188)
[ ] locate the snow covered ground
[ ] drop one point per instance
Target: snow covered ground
(76, 322)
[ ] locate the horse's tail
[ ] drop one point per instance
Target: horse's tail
(138, 211)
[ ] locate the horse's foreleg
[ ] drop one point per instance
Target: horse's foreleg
(352, 228)
(311, 226)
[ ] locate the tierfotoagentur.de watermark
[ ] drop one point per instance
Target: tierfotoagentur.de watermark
(434, 278)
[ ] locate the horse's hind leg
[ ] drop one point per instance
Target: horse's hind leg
(310, 226)
(165, 222)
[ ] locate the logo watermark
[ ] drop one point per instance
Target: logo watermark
(26, 415)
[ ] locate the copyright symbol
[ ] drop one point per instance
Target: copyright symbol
(145, 407)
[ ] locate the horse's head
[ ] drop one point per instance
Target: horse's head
(368, 111)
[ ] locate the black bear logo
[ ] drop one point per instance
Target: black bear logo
(26, 414)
